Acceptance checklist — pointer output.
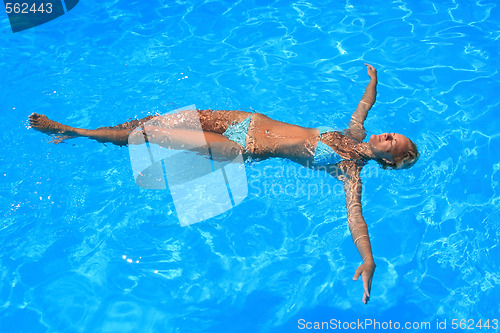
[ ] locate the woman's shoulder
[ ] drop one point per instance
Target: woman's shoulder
(346, 170)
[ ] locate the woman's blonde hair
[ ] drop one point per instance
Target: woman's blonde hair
(404, 161)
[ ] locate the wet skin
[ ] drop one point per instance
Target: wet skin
(388, 145)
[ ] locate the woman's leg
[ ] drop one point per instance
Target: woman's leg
(173, 138)
(117, 134)
(215, 144)
(216, 121)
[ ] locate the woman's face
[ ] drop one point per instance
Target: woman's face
(389, 143)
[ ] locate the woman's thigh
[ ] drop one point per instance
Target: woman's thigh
(182, 139)
(217, 121)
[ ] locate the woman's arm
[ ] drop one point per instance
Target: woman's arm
(358, 117)
(359, 230)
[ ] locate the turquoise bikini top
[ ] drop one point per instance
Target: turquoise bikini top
(324, 154)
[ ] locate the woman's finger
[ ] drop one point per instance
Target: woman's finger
(357, 274)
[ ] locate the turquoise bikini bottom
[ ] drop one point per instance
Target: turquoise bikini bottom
(238, 132)
(323, 154)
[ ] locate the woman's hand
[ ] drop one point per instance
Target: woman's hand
(366, 271)
(372, 72)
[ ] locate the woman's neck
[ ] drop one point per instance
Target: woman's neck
(346, 146)
(364, 150)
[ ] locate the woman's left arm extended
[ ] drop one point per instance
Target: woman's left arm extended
(359, 231)
(358, 117)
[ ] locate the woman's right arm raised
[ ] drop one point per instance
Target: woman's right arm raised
(359, 230)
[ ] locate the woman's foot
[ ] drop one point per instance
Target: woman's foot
(43, 124)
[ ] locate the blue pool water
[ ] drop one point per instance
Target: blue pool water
(83, 249)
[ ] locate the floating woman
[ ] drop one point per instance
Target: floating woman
(259, 137)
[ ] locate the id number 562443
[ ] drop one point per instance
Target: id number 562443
(25, 8)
